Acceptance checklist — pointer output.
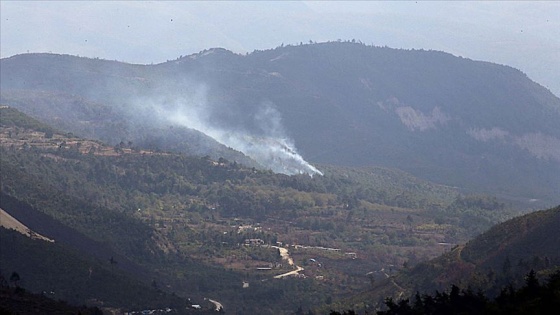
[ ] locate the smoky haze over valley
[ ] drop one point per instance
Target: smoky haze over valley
(257, 132)
(479, 126)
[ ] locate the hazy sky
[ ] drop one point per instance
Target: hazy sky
(525, 35)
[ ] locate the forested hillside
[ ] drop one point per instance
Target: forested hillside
(492, 265)
(482, 127)
(534, 297)
(176, 222)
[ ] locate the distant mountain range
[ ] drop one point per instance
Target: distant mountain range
(476, 125)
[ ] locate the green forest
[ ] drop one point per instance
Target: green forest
(531, 298)
(137, 229)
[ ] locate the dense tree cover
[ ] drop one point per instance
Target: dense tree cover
(67, 274)
(11, 117)
(491, 261)
(51, 195)
(99, 195)
(238, 190)
(516, 238)
(343, 103)
(531, 298)
(163, 183)
(104, 208)
(20, 301)
(188, 217)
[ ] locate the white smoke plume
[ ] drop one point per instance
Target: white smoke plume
(268, 145)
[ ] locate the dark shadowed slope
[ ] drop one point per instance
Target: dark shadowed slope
(496, 258)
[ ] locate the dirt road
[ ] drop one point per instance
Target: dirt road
(217, 304)
(286, 256)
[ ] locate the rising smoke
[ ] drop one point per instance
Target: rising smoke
(265, 142)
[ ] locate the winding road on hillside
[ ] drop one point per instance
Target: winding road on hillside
(217, 304)
(286, 256)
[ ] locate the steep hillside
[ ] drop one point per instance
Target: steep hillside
(500, 257)
(469, 124)
(184, 221)
(94, 120)
(19, 301)
(64, 274)
(475, 125)
(509, 250)
(534, 297)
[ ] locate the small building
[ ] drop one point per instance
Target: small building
(254, 241)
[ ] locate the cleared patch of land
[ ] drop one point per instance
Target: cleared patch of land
(9, 222)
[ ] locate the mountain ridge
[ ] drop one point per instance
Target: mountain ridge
(472, 124)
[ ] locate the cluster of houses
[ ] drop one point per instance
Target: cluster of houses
(253, 241)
